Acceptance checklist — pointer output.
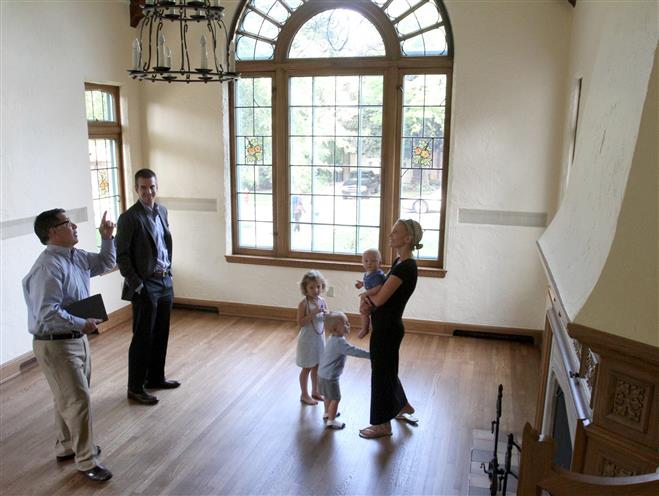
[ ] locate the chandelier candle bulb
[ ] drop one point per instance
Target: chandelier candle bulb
(168, 57)
(137, 54)
(204, 54)
(161, 50)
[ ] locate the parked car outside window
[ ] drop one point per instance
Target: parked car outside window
(360, 183)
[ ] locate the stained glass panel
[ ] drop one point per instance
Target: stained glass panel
(422, 155)
(103, 165)
(254, 199)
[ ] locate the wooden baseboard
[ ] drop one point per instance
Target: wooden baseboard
(14, 367)
(116, 318)
(411, 325)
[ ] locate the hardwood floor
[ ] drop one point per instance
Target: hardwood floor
(236, 426)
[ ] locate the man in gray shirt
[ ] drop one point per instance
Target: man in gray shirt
(61, 276)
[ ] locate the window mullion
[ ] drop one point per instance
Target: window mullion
(280, 159)
(390, 160)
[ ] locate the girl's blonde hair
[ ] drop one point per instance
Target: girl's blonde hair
(312, 275)
(415, 231)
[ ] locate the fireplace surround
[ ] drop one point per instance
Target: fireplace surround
(610, 387)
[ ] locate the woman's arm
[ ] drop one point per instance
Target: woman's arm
(382, 296)
(372, 291)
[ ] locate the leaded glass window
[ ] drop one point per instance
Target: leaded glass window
(340, 126)
(422, 150)
(104, 146)
(253, 121)
(335, 142)
(420, 27)
(337, 33)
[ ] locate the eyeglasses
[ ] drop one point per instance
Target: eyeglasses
(67, 221)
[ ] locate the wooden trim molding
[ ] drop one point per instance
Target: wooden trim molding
(606, 454)
(320, 264)
(545, 359)
(607, 344)
(411, 325)
(14, 367)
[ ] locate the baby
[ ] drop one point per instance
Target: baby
(373, 281)
(332, 363)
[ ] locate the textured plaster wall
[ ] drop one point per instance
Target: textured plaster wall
(613, 48)
(625, 300)
(49, 50)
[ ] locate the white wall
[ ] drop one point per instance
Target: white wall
(613, 49)
(49, 50)
(625, 299)
(508, 100)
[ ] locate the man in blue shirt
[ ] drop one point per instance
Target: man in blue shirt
(144, 255)
(61, 276)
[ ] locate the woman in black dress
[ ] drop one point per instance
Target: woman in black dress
(388, 398)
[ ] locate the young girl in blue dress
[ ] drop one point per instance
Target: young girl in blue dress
(311, 341)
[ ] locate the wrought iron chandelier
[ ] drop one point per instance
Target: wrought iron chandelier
(152, 58)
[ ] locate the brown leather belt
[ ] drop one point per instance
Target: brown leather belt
(160, 274)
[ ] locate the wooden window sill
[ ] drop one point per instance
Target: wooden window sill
(320, 264)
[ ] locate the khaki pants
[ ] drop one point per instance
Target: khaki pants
(66, 363)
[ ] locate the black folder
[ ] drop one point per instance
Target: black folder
(89, 308)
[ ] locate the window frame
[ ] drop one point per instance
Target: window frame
(393, 67)
(111, 130)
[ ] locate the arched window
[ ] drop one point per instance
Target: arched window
(339, 126)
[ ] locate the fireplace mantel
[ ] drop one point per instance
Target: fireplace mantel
(611, 388)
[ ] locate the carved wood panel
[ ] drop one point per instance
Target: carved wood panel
(623, 437)
(608, 455)
(631, 401)
(626, 401)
